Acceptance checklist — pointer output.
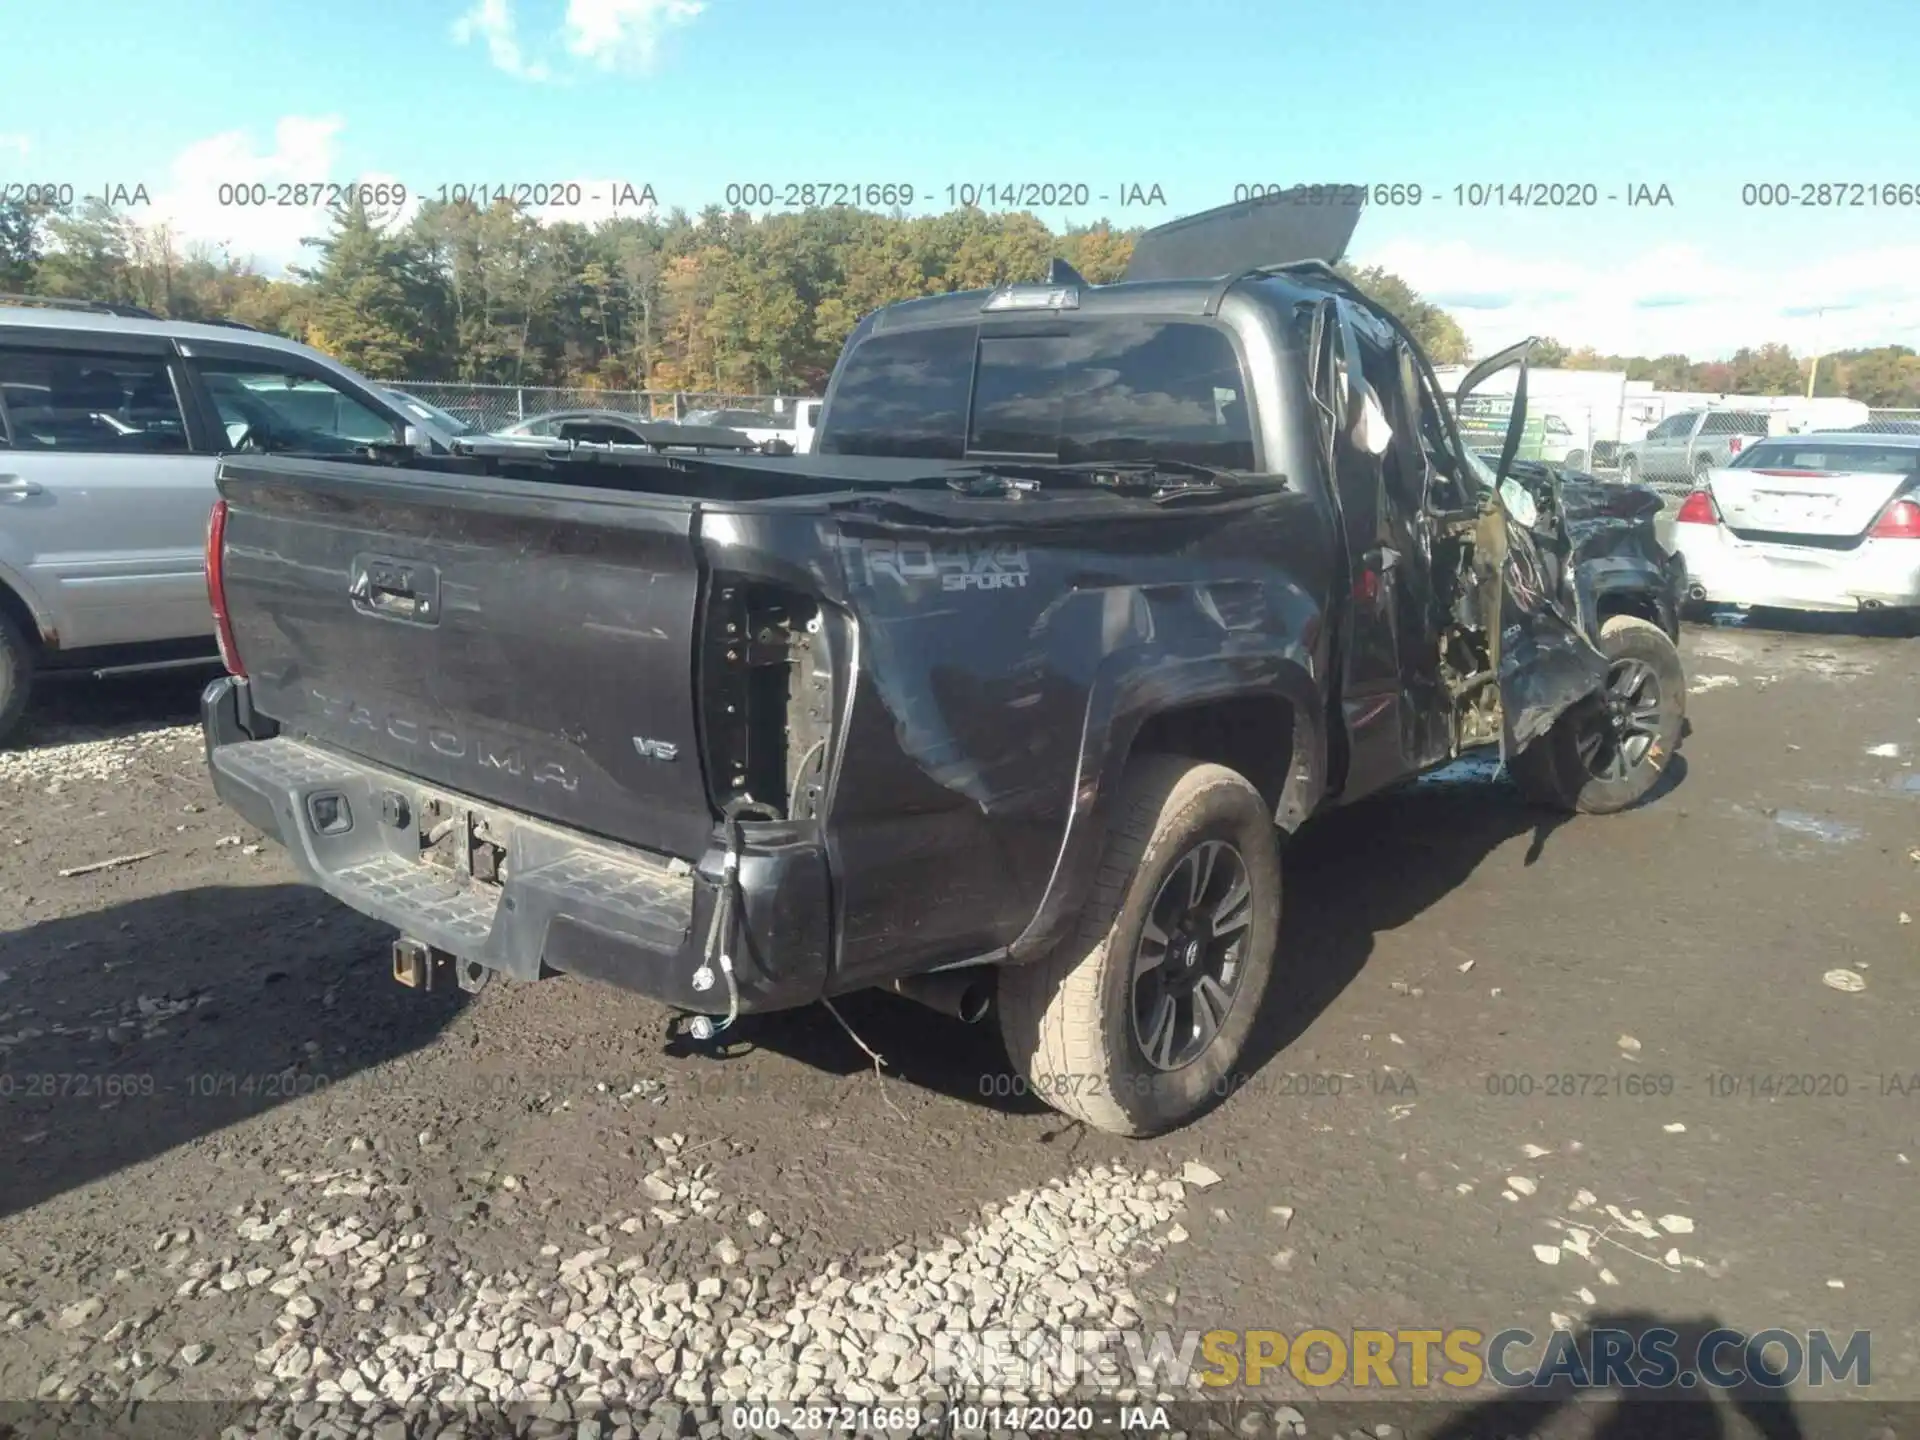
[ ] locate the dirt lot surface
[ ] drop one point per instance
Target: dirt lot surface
(1659, 1067)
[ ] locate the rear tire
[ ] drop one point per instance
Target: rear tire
(1588, 764)
(18, 661)
(1577, 462)
(1079, 1022)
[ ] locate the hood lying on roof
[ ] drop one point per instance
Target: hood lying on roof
(1229, 239)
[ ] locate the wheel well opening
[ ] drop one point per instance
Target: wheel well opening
(1252, 734)
(15, 609)
(1628, 602)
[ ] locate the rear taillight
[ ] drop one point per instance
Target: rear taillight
(1734, 444)
(1699, 509)
(1899, 521)
(217, 588)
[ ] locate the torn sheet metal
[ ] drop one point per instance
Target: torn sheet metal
(1278, 229)
(1544, 659)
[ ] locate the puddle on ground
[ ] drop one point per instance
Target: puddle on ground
(1905, 784)
(1851, 657)
(1481, 768)
(1834, 832)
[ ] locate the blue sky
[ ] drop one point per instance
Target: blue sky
(690, 95)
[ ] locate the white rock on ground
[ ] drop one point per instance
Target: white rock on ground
(589, 1325)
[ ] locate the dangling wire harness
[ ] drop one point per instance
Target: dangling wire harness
(719, 947)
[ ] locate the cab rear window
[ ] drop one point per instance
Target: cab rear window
(1132, 389)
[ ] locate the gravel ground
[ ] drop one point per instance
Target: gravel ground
(238, 1164)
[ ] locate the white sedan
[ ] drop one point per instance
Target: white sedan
(1822, 521)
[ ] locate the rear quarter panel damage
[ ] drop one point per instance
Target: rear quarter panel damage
(1007, 660)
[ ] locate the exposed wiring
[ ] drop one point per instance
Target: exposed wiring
(872, 1053)
(800, 771)
(718, 949)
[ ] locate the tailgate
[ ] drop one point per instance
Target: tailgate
(1792, 501)
(526, 644)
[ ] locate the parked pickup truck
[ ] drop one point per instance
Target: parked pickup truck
(1003, 699)
(1690, 445)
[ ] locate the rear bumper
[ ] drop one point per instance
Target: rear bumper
(569, 902)
(1731, 571)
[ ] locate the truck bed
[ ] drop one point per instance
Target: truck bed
(517, 672)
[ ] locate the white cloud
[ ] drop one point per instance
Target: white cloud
(492, 21)
(610, 34)
(206, 195)
(624, 34)
(1668, 298)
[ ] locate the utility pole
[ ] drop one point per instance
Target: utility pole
(1813, 365)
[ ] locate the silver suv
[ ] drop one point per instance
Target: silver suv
(111, 424)
(1684, 447)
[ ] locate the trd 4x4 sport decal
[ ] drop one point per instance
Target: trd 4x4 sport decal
(955, 567)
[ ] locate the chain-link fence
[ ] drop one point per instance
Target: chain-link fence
(1895, 422)
(494, 407)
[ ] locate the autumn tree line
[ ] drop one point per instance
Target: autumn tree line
(717, 301)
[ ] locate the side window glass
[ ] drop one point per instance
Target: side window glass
(1405, 474)
(266, 406)
(92, 403)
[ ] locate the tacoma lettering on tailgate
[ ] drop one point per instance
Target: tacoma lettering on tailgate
(438, 738)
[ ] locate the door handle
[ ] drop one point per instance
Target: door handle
(395, 589)
(16, 487)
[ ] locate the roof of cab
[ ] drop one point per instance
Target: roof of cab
(1137, 297)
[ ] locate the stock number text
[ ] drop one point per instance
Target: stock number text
(1831, 194)
(309, 194)
(806, 195)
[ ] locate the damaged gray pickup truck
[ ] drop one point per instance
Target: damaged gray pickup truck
(1004, 699)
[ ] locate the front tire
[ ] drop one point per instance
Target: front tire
(1136, 1022)
(17, 664)
(1606, 754)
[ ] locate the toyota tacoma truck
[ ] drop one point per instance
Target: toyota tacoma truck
(1004, 699)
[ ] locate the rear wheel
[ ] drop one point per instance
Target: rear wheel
(1607, 753)
(1577, 460)
(17, 664)
(1136, 1022)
